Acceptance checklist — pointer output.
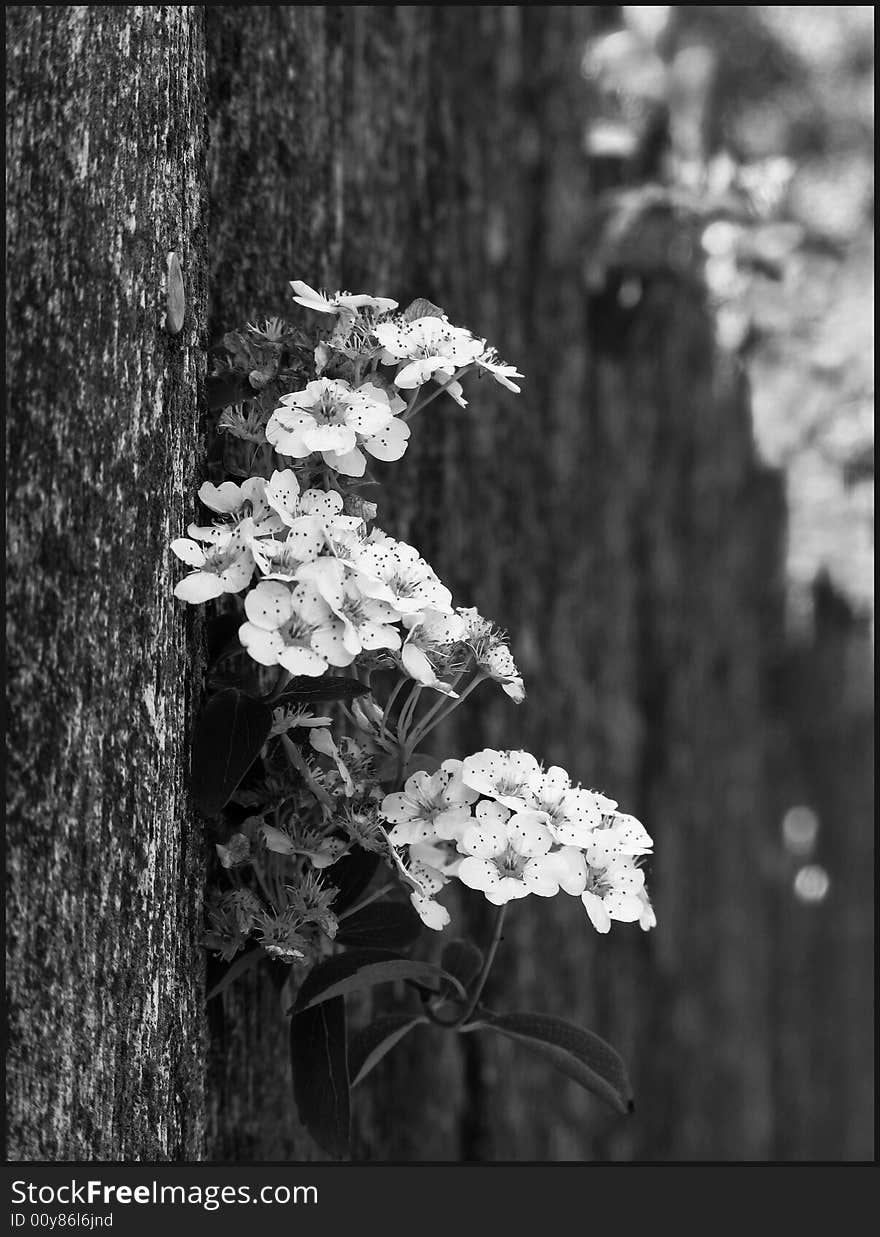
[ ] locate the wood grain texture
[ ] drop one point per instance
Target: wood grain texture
(105, 867)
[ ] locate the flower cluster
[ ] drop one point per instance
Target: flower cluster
(328, 607)
(502, 824)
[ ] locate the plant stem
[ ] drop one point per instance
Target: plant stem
(442, 701)
(481, 979)
(423, 729)
(298, 761)
(406, 713)
(441, 387)
(353, 910)
(395, 692)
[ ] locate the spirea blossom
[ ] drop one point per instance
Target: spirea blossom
(519, 828)
(324, 591)
(427, 348)
(333, 419)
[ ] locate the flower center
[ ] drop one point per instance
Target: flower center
(510, 864)
(329, 410)
(295, 631)
(598, 883)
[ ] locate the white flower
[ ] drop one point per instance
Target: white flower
(341, 302)
(245, 508)
(311, 520)
(431, 805)
(491, 653)
(329, 417)
(614, 892)
(509, 857)
(571, 813)
(431, 913)
(391, 441)
(578, 814)
(617, 836)
(429, 642)
(499, 664)
(359, 622)
(224, 568)
(284, 624)
(440, 855)
(647, 919)
(432, 346)
(425, 881)
(500, 372)
(505, 776)
(397, 573)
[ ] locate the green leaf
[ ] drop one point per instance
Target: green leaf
(463, 960)
(362, 968)
(305, 690)
(229, 734)
(370, 1045)
(383, 925)
(319, 1061)
(577, 1053)
(239, 966)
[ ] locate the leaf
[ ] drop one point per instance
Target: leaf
(362, 968)
(239, 966)
(422, 308)
(370, 1045)
(319, 1061)
(577, 1053)
(351, 875)
(229, 733)
(383, 925)
(463, 960)
(305, 689)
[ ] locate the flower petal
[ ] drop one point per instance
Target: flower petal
(200, 586)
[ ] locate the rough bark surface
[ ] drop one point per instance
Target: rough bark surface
(105, 868)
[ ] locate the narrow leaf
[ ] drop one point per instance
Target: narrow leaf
(577, 1053)
(319, 1061)
(362, 968)
(239, 966)
(305, 690)
(229, 734)
(382, 925)
(370, 1045)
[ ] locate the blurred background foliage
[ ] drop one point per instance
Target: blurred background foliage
(759, 121)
